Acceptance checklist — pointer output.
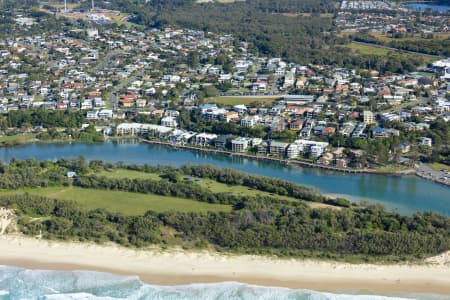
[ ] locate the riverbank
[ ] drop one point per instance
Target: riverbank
(176, 266)
(257, 157)
(382, 171)
(388, 171)
(433, 179)
(19, 139)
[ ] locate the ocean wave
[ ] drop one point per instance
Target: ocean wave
(17, 283)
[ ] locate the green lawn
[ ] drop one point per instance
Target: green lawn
(212, 185)
(391, 169)
(387, 38)
(124, 202)
(367, 49)
(18, 138)
(217, 187)
(438, 167)
(124, 173)
(234, 100)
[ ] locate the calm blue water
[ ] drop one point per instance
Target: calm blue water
(16, 283)
(407, 194)
(424, 6)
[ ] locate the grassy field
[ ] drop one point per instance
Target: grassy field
(391, 169)
(124, 173)
(367, 49)
(124, 202)
(234, 100)
(387, 38)
(212, 185)
(323, 15)
(17, 139)
(218, 187)
(439, 167)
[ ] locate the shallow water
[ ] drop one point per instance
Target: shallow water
(17, 283)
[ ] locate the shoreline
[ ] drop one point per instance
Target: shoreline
(180, 267)
(408, 172)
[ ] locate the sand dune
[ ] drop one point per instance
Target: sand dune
(177, 266)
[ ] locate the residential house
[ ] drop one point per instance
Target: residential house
(425, 141)
(169, 122)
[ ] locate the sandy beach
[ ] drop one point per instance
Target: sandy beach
(175, 266)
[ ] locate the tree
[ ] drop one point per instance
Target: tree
(193, 59)
(210, 91)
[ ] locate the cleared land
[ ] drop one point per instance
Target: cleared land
(123, 202)
(234, 100)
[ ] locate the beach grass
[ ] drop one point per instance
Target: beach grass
(123, 202)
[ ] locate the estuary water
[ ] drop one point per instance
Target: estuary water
(405, 194)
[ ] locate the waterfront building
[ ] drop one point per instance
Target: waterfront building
(239, 144)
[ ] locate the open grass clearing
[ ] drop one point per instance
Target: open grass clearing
(439, 167)
(366, 49)
(212, 185)
(391, 169)
(123, 202)
(17, 138)
(387, 38)
(381, 51)
(293, 15)
(218, 187)
(124, 173)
